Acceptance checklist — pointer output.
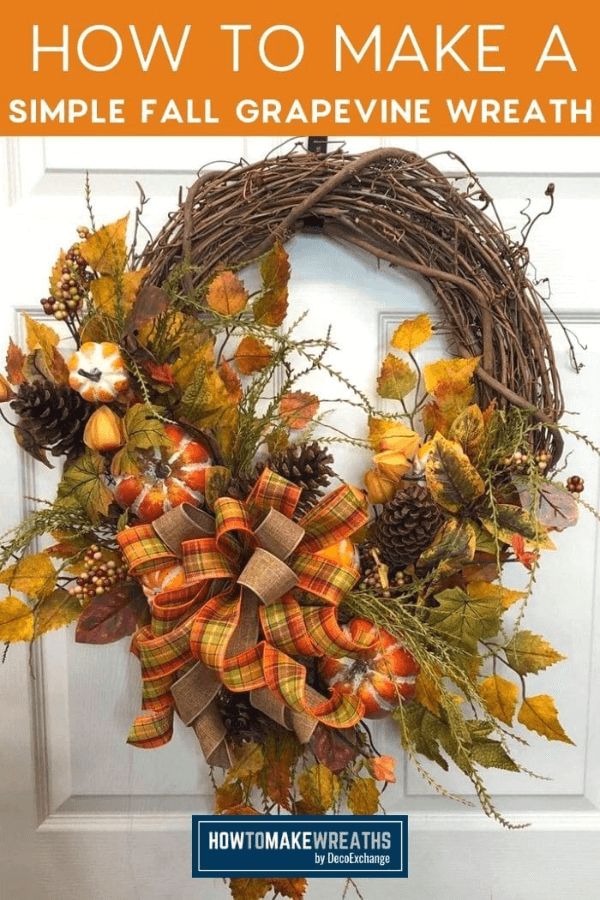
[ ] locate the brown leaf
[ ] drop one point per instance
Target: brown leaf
(271, 306)
(294, 888)
(281, 752)
(248, 888)
(150, 302)
(252, 355)
(15, 359)
(333, 747)
(227, 294)
(298, 409)
(232, 383)
(111, 616)
(28, 443)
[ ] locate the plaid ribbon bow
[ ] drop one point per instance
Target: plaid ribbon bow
(244, 574)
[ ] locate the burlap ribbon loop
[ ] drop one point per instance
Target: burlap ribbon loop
(242, 569)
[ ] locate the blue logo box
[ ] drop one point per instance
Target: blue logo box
(296, 846)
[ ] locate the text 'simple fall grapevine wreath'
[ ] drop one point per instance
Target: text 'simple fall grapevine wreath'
(275, 612)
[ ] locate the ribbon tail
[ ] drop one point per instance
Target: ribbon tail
(194, 694)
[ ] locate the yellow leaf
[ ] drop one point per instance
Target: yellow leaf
(248, 888)
(449, 374)
(55, 611)
(33, 576)
(319, 787)
(482, 590)
(249, 760)
(252, 355)
(411, 333)
(56, 276)
(194, 353)
(228, 795)
(363, 797)
(110, 294)
(105, 250)
(527, 652)
(227, 294)
(16, 621)
(391, 465)
(427, 693)
(500, 697)
(539, 714)
(451, 477)
(396, 378)
(468, 429)
(386, 434)
(40, 337)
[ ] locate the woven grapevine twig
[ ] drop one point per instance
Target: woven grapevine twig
(401, 209)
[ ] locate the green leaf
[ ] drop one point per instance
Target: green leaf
(83, 486)
(396, 378)
(363, 797)
(464, 619)
(511, 520)
(492, 755)
(453, 548)
(530, 653)
(451, 477)
(143, 431)
(468, 429)
(418, 733)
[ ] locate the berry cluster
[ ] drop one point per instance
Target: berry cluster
(72, 288)
(376, 577)
(575, 484)
(521, 459)
(98, 576)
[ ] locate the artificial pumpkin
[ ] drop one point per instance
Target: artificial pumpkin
(159, 580)
(98, 372)
(168, 476)
(382, 677)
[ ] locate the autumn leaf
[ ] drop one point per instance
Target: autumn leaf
(150, 302)
(228, 795)
(509, 520)
(32, 575)
(112, 615)
(363, 797)
(143, 431)
(271, 306)
(491, 754)
(449, 375)
(539, 714)
(217, 481)
(15, 359)
(83, 485)
(112, 295)
(482, 590)
(463, 618)
(40, 337)
(16, 621)
(468, 429)
(382, 768)
(59, 609)
(196, 351)
(281, 750)
(252, 355)
(427, 692)
(249, 760)
(205, 399)
(294, 888)
(319, 786)
(297, 409)
(248, 888)
(419, 731)
(105, 250)
(451, 477)
(527, 652)
(334, 747)
(556, 510)
(160, 373)
(411, 333)
(396, 378)
(500, 697)
(388, 434)
(227, 294)
(453, 547)
(526, 557)
(232, 383)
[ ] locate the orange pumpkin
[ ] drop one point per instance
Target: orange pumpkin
(343, 553)
(159, 580)
(168, 476)
(382, 677)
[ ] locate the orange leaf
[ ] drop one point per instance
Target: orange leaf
(382, 768)
(15, 359)
(298, 409)
(524, 556)
(271, 306)
(161, 374)
(232, 383)
(252, 355)
(248, 888)
(449, 375)
(411, 333)
(294, 888)
(227, 294)
(396, 378)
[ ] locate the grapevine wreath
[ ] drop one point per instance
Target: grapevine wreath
(275, 610)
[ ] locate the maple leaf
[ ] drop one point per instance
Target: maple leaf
(396, 378)
(294, 888)
(500, 697)
(105, 250)
(227, 294)
(160, 373)
(15, 359)
(248, 888)
(83, 485)
(465, 619)
(363, 797)
(252, 355)
(411, 333)
(382, 768)
(298, 409)
(539, 714)
(481, 590)
(271, 306)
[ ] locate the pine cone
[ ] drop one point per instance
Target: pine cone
(241, 485)
(242, 721)
(306, 465)
(407, 526)
(52, 416)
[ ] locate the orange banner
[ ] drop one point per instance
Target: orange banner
(303, 68)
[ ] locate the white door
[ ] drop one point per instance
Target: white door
(82, 814)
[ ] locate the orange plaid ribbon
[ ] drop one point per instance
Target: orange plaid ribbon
(189, 624)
